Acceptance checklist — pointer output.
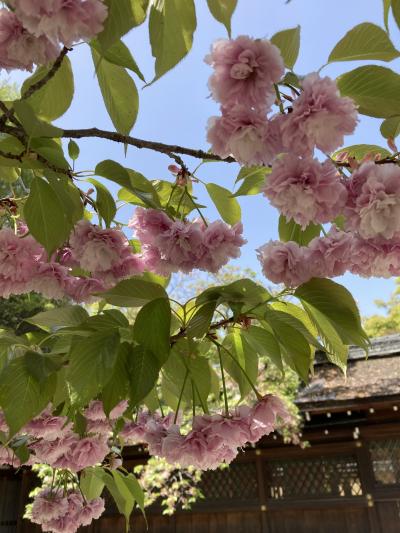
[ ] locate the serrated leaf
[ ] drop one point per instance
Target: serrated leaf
(359, 151)
(264, 343)
(123, 15)
(290, 231)
(116, 389)
(70, 315)
(144, 367)
(91, 362)
(104, 202)
(364, 41)
(119, 93)
(133, 292)
(200, 322)
(288, 42)
(34, 126)
(45, 216)
(155, 316)
(250, 185)
(390, 127)
(118, 54)
(91, 485)
(222, 10)
(171, 25)
(375, 89)
(55, 97)
(228, 207)
(241, 356)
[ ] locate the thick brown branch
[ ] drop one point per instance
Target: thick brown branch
(51, 73)
(168, 149)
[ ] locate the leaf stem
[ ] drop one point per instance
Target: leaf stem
(180, 396)
(223, 381)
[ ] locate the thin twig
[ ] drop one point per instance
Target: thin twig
(169, 149)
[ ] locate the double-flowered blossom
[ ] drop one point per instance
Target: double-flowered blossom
(20, 49)
(245, 70)
(320, 117)
(305, 190)
(60, 20)
(213, 439)
(373, 207)
(64, 512)
(175, 245)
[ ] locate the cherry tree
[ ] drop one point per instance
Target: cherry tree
(139, 366)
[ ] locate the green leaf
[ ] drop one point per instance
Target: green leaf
(104, 202)
(118, 54)
(91, 362)
(228, 207)
(69, 196)
(359, 151)
(251, 184)
(22, 397)
(364, 41)
(126, 496)
(51, 151)
(290, 231)
(200, 322)
(68, 316)
(244, 291)
(375, 89)
(222, 10)
(91, 485)
(288, 42)
(55, 97)
(390, 127)
(119, 93)
(144, 367)
(248, 172)
(171, 25)
(264, 343)
(116, 389)
(137, 492)
(123, 15)
(33, 126)
(386, 9)
(155, 316)
(133, 292)
(244, 355)
(45, 216)
(296, 350)
(337, 305)
(396, 11)
(73, 150)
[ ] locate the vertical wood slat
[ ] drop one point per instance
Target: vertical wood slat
(368, 482)
(261, 492)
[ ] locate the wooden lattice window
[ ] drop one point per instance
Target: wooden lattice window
(322, 477)
(237, 483)
(385, 456)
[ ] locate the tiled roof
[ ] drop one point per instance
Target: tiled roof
(377, 376)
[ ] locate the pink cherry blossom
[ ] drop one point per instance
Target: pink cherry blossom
(53, 452)
(51, 280)
(95, 411)
(320, 117)
(373, 207)
(88, 451)
(243, 133)
(91, 511)
(3, 423)
(19, 259)
(263, 416)
(82, 289)
(19, 49)
(48, 505)
(148, 224)
(119, 410)
(68, 22)
(285, 262)
(221, 243)
(305, 190)
(330, 255)
(245, 70)
(48, 427)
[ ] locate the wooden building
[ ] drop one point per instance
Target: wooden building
(346, 481)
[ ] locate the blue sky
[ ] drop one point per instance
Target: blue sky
(175, 109)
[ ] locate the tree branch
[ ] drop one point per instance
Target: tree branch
(169, 149)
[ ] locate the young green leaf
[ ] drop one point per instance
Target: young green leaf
(228, 207)
(133, 292)
(119, 92)
(55, 97)
(123, 15)
(171, 25)
(144, 368)
(288, 42)
(290, 231)
(359, 151)
(200, 322)
(45, 216)
(364, 41)
(155, 316)
(116, 389)
(91, 485)
(73, 150)
(104, 202)
(118, 54)
(222, 10)
(66, 316)
(34, 126)
(390, 127)
(264, 343)
(238, 355)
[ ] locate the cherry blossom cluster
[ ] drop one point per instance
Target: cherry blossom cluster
(64, 512)
(368, 246)
(105, 254)
(32, 31)
(176, 245)
(212, 440)
(246, 73)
